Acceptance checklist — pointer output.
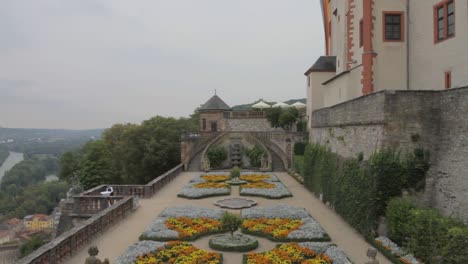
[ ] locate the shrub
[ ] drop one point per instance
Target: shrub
(235, 173)
(231, 222)
(216, 156)
(299, 148)
(299, 164)
(426, 233)
(455, 251)
(398, 219)
(255, 156)
(358, 190)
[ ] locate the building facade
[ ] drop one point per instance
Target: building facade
(38, 222)
(375, 45)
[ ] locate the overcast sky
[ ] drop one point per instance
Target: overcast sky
(92, 63)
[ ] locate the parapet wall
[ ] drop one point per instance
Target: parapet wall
(404, 120)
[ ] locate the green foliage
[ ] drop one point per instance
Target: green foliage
(390, 177)
(288, 118)
(216, 156)
(279, 117)
(398, 219)
(255, 156)
(30, 171)
(36, 242)
(455, 250)
(417, 166)
(273, 115)
(129, 153)
(235, 173)
(358, 190)
(299, 148)
(231, 222)
(299, 164)
(18, 202)
(97, 166)
(427, 233)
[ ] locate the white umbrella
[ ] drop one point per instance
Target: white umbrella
(261, 105)
(299, 105)
(281, 104)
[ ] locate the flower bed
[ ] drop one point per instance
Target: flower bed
(282, 223)
(278, 191)
(277, 228)
(255, 177)
(259, 185)
(288, 253)
(203, 186)
(184, 223)
(191, 227)
(148, 252)
(215, 178)
(396, 253)
(263, 185)
(209, 184)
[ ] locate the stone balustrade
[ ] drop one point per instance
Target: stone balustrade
(70, 242)
(105, 211)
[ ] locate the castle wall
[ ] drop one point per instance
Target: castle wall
(404, 120)
(249, 125)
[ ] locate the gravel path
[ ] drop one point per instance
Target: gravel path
(117, 239)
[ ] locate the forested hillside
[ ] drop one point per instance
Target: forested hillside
(128, 153)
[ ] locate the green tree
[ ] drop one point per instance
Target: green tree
(288, 118)
(273, 116)
(97, 166)
(231, 222)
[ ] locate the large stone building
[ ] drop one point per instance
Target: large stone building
(395, 76)
(375, 45)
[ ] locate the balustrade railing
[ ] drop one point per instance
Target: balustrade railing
(70, 242)
(106, 211)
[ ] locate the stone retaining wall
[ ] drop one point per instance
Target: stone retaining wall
(405, 120)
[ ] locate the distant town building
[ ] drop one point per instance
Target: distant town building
(6, 236)
(15, 224)
(38, 222)
(375, 45)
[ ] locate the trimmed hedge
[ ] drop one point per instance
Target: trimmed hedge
(427, 233)
(240, 248)
(325, 238)
(185, 239)
(299, 148)
(360, 190)
(299, 164)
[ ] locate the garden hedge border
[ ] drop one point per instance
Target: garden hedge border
(325, 238)
(241, 248)
(187, 239)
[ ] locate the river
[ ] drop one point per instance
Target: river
(13, 159)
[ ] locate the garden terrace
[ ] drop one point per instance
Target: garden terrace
(117, 237)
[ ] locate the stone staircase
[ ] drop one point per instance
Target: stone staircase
(236, 156)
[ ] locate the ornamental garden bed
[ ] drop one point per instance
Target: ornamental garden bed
(208, 185)
(263, 185)
(282, 223)
(149, 252)
(394, 252)
(303, 253)
(186, 223)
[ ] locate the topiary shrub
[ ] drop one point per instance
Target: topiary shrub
(231, 222)
(235, 173)
(216, 156)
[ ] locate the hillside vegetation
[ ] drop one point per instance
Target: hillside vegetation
(128, 153)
